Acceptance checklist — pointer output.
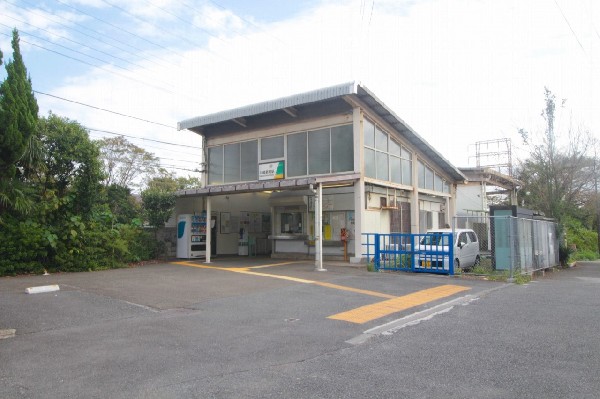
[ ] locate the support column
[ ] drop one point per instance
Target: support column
(319, 229)
(359, 209)
(208, 229)
(414, 197)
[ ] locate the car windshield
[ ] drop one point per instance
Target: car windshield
(435, 239)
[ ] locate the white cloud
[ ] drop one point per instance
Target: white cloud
(457, 71)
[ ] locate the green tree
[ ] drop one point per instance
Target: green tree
(18, 120)
(557, 179)
(125, 163)
(122, 204)
(73, 169)
(158, 206)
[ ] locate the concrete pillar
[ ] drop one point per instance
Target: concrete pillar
(208, 229)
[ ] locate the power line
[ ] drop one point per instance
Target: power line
(100, 39)
(101, 67)
(119, 27)
(569, 25)
(103, 109)
(161, 29)
(158, 148)
(65, 47)
(142, 138)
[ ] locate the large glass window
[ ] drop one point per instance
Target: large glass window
(421, 172)
(385, 158)
(370, 169)
(446, 187)
(271, 148)
(296, 154)
(318, 152)
(342, 149)
(382, 165)
(215, 165)
(369, 133)
(231, 157)
(381, 140)
(428, 178)
(437, 183)
(394, 148)
(406, 172)
(249, 162)
(329, 150)
(395, 170)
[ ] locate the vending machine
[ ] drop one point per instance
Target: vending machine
(191, 236)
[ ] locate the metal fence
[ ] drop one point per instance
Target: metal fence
(429, 253)
(512, 244)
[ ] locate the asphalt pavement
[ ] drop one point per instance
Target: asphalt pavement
(258, 327)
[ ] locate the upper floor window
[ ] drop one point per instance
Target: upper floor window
(430, 180)
(232, 163)
(271, 148)
(385, 158)
(322, 151)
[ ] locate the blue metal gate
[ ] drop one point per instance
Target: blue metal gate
(429, 253)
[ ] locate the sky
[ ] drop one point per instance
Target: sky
(458, 72)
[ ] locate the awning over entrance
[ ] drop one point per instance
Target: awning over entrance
(268, 185)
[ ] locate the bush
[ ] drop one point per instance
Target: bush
(23, 249)
(584, 255)
(584, 241)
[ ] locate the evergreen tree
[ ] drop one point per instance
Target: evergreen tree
(18, 112)
(18, 120)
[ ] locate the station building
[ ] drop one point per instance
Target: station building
(307, 175)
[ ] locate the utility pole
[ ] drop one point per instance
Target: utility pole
(597, 199)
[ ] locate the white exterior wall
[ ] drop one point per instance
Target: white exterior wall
(470, 197)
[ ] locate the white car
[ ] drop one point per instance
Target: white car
(466, 250)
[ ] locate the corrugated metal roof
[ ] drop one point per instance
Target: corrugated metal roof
(272, 105)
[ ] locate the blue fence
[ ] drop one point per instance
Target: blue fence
(429, 253)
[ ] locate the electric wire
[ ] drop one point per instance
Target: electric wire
(152, 146)
(570, 27)
(72, 41)
(65, 47)
(120, 28)
(160, 29)
(103, 68)
(104, 109)
(143, 138)
(138, 50)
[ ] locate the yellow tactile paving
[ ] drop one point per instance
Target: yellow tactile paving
(375, 311)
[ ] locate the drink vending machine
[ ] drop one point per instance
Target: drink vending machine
(191, 236)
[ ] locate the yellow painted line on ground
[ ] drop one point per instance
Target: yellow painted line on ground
(272, 264)
(198, 265)
(375, 311)
(357, 290)
(289, 278)
(244, 270)
(359, 315)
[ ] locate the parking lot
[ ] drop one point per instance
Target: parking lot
(132, 332)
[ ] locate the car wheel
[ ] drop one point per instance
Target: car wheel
(456, 264)
(477, 261)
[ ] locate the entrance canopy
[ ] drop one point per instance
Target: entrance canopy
(268, 185)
